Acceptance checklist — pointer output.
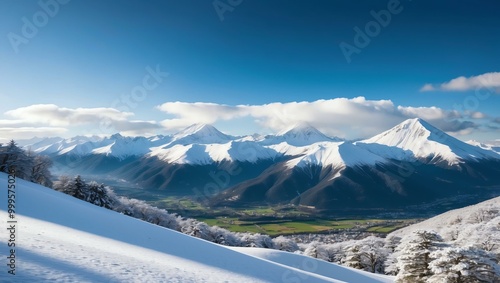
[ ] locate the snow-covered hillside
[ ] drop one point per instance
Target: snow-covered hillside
(472, 225)
(338, 155)
(62, 239)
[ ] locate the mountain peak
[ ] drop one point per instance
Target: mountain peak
(201, 133)
(426, 141)
(303, 127)
(116, 136)
(197, 127)
(303, 133)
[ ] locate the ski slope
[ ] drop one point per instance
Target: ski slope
(62, 239)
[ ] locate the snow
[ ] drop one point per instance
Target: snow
(470, 225)
(300, 134)
(200, 134)
(493, 146)
(123, 147)
(209, 153)
(314, 265)
(62, 239)
(336, 154)
(423, 140)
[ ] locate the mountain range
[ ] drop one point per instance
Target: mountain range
(410, 164)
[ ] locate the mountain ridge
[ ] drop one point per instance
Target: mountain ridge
(410, 163)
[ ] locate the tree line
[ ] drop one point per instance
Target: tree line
(27, 165)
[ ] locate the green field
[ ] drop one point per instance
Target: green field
(283, 227)
(273, 221)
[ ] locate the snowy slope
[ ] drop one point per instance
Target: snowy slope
(471, 225)
(422, 140)
(314, 265)
(209, 153)
(336, 154)
(122, 147)
(63, 239)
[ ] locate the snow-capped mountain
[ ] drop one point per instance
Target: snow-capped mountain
(199, 134)
(116, 146)
(339, 155)
(121, 147)
(421, 140)
(413, 162)
(301, 134)
(63, 239)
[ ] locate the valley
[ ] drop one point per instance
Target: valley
(290, 219)
(296, 181)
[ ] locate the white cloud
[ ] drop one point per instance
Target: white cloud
(343, 117)
(348, 118)
(477, 115)
(427, 87)
(490, 81)
(60, 116)
(9, 133)
(35, 119)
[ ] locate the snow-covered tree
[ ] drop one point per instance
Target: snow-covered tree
(390, 264)
(315, 249)
(256, 240)
(336, 252)
(373, 254)
(14, 157)
(414, 256)
(463, 265)
(93, 192)
(285, 244)
(353, 256)
(40, 173)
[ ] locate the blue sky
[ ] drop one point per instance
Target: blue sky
(86, 57)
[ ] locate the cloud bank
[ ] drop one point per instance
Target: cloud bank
(47, 120)
(349, 118)
(343, 117)
(490, 81)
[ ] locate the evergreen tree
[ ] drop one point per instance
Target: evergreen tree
(464, 265)
(93, 192)
(414, 256)
(40, 173)
(373, 254)
(13, 157)
(79, 188)
(353, 257)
